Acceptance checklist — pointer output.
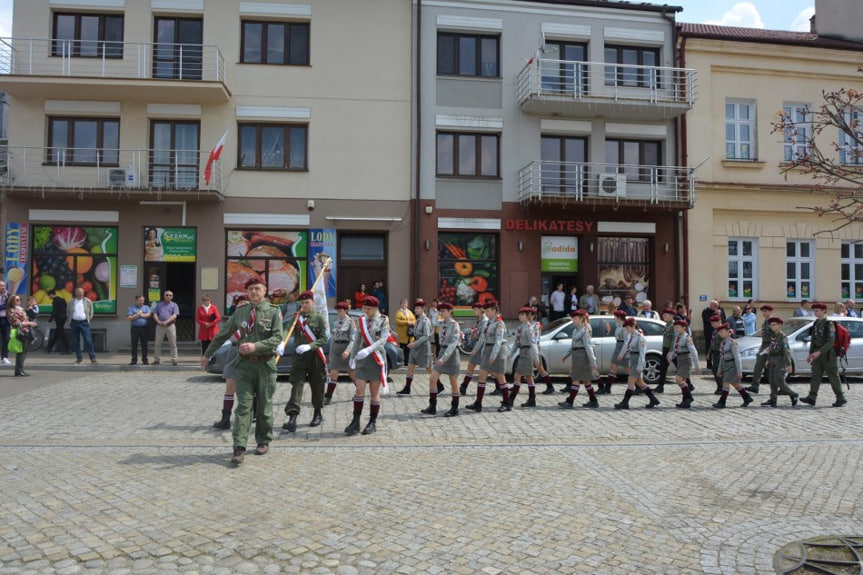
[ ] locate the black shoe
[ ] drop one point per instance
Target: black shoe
(496, 391)
(752, 389)
(225, 422)
(239, 455)
(531, 402)
(370, 428)
(429, 410)
(769, 403)
(317, 419)
(794, 398)
(549, 389)
(354, 426)
(440, 388)
(462, 388)
(653, 403)
(453, 412)
(659, 388)
(291, 423)
(565, 389)
(747, 399)
(328, 399)
(684, 403)
(718, 391)
(838, 403)
(567, 404)
(145, 362)
(689, 386)
(808, 400)
(477, 407)
(22, 374)
(133, 363)
(621, 405)
(504, 407)
(719, 405)
(404, 391)
(592, 404)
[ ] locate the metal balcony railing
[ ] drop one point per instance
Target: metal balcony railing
(541, 181)
(100, 169)
(620, 83)
(115, 60)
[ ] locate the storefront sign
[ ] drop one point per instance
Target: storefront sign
(322, 244)
(16, 258)
(570, 226)
(170, 244)
(559, 254)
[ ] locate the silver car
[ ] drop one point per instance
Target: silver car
(797, 330)
(556, 341)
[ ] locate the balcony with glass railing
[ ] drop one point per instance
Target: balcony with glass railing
(561, 183)
(83, 170)
(152, 72)
(591, 89)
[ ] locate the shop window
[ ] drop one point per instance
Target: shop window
(369, 248)
(742, 268)
(69, 257)
(278, 257)
(800, 269)
(624, 267)
(468, 268)
(852, 270)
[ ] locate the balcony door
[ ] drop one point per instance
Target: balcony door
(174, 154)
(563, 159)
(178, 51)
(561, 69)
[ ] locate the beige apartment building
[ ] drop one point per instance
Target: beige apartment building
(116, 105)
(752, 233)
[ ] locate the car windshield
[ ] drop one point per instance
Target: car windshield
(556, 324)
(792, 325)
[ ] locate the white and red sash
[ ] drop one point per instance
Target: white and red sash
(310, 336)
(378, 354)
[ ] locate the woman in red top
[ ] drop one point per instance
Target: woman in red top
(208, 318)
(360, 295)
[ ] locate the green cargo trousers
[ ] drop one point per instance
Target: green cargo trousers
(306, 367)
(254, 378)
(826, 362)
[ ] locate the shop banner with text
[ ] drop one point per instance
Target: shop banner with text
(170, 244)
(322, 243)
(15, 271)
(559, 254)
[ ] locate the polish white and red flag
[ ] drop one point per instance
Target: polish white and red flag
(215, 154)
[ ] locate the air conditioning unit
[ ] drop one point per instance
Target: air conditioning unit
(612, 186)
(122, 178)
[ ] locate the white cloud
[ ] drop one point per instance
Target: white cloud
(743, 14)
(801, 23)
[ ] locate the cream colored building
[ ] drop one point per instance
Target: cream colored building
(115, 105)
(752, 233)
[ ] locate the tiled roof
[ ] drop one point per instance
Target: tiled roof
(739, 34)
(620, 4)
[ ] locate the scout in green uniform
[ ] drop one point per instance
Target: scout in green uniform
(714, 352)
(310, 337)
(761, 359)
(778, 355)
(822, 357)
(258, 330)
(667, 341)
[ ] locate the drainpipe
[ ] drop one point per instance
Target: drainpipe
(417, 268)
(683, 257)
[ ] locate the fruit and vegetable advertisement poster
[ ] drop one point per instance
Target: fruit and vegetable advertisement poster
(15, 271)
(277, 257)
(66, 257)
(468, 268)
(170, 244)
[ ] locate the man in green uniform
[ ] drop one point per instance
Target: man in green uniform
(310, 337)
(714, 354)
(667, 341)
(257, 330)
(761, 358)
(822, 357)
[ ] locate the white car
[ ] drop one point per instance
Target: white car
(556, 341)
(797, 330)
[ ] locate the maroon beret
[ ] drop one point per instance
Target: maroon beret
(240, 297)
(629, 322)
(445, 307)
(525, 309)
(725, 325)
(371, 301)
(819, 305)
(342, 305)
(580, 313)
(668, 311)
(419, 302)
(306, 295)
(253, 281)
(681, 322)
(476, 305)
(490, 304)
(716, 317)
(766, 307)
(620, 313)
(775, 320)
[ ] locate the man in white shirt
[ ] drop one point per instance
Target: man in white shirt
(80, 311)
(647, 310)
(556, 301)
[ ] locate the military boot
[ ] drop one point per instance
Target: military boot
(225, 422)
(354, 426)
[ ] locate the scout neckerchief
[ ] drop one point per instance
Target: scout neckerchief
(378, 355)
(310, 336)
(245, 328)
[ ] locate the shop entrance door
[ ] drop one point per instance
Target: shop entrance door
(549, 284)
(179, 277)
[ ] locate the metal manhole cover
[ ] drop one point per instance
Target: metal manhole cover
(828, 555)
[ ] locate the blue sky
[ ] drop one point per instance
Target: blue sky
(773, 14)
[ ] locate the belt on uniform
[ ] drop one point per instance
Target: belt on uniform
(579, 347)
(526, 347)
(267, 357)
(489, 344)
(683, 353)
(341, 341)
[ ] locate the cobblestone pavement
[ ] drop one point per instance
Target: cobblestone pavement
(120, 472)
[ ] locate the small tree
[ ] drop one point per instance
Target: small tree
(827, 145)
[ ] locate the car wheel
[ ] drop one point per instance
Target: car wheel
(652, 370)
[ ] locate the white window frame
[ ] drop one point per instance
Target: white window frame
(850, 280)
(737, 122)
(797, 140)
(795, 285)
(739, 278)
(850, 152)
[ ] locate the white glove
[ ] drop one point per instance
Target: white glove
(280, 349)
(301, 349)
(352, 364)
(363, 353)
(227, 343)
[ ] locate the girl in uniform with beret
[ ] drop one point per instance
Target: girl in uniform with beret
(633, 351)
(420, 347)
(448, 361)
(492, 360)
(476, 354)
(616, 364)
(583, 365)
(343, 334)
(732, 370)
(779, 364)
(371, 364)
(684, 355)
(525, 342)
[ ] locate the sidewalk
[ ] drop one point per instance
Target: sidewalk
(111, 361)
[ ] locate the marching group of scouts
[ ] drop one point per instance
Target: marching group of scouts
(359, 348)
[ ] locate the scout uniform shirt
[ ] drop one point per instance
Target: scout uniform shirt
(668, 335)
(261, 325)
(729, 352)
(823, 336)
(683, 344)
(635, 344)
(778, 348)
(311, 330)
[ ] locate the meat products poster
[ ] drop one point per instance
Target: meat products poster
(277, 257)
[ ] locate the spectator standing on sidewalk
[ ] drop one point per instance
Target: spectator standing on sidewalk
(4, 324)
(58, 316)
(80, 311)
(138, 315)
(19, 320)
(165, 314)
(208, 318)
(406, 323)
